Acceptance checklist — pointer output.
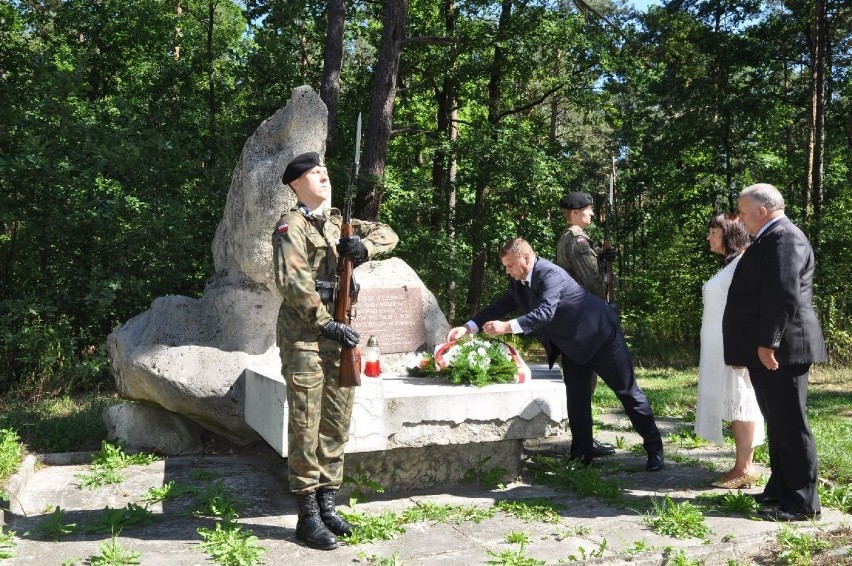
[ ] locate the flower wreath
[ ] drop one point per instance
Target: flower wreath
(476, 361)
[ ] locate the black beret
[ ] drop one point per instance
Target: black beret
(573, 201)
(299, 165)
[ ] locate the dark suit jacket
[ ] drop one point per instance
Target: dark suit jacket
(770, 301)
(562, 315)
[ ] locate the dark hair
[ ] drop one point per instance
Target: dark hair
(735, 236)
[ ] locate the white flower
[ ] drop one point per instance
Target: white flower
(450, 354)
(478, 358)
(504, 349)
(413, 360)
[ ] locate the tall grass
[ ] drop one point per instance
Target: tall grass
(11, 453)
(61, 424)
(672, 393)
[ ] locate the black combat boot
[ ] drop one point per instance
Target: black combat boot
(329, 515)
(310, 528)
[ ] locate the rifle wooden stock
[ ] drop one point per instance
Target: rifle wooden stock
(610, 281)
(350, 361)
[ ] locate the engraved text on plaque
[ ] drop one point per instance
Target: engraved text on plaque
(393, 316)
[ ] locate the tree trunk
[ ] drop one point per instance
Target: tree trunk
(332, 61)
(380, 118)
(444, 162)
(451, 212)
(479, 242)
(789, 145)
(211, 94)
(178, 33)
(817, 119)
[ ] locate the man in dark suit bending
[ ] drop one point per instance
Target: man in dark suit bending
(572, 322)
(770, 327)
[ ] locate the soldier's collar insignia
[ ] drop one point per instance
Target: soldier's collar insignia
(306, 212)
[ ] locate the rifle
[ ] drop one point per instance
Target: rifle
(350, 358)
(609, 280)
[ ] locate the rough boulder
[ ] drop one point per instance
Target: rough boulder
(188, 355)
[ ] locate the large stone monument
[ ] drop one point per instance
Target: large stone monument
(189, 356)
(211, 363)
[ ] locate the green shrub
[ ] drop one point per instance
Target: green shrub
(11, 453)
(43, 353)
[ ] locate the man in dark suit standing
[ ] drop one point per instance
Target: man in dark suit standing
(770, 327)
(572, 322)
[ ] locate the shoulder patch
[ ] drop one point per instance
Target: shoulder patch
(281, 227)
(580, 240)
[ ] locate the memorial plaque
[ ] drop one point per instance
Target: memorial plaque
(393, 316)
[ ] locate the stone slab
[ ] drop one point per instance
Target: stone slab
(406, 412)
(150, 428)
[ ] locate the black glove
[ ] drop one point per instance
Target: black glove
(340, 333)
(609, 254)
(351, 246)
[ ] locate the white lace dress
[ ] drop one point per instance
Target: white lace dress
(724, 393)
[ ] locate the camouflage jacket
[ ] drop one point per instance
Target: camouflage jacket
(576, 254)
(304, 253)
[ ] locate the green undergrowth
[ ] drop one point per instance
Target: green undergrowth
(58, 424)
(229, 544)
(7, 543)
(11, 453)
(108, 463)
(54, 526)
(798, 547)
(537, 509)
(729, 502)
(114, 554)
(168, 491)
(514, 556)
(387, 525)
(424, 511)
(672, 394)
(679, 520)
(584, 481)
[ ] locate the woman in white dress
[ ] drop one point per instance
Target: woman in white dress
(725, 393)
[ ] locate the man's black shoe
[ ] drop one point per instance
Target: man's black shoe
(765, 499)
(601, 449)
(783, 516)
(655, 462)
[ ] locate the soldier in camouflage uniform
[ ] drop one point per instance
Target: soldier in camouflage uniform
(576, 254)
(305, 260)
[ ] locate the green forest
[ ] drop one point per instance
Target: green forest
(121, 122)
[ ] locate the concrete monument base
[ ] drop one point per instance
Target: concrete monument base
(427, 467)
(417, 433)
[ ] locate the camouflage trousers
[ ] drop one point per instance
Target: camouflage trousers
(319, 414)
